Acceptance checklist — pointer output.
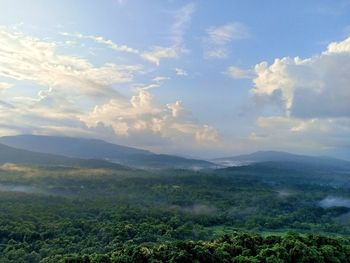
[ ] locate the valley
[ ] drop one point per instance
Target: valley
(50, 213)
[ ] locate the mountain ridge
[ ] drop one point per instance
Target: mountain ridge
(87, 148)
(20, 156)
(282, 157)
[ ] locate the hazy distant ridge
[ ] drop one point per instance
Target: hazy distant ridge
(283, 157)
(99, 149)
(19, 156)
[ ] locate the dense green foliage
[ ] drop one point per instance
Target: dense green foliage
(241, 247)
(100, 215)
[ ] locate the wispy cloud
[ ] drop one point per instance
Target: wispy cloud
(180, 72)
(160, 79)
(158, 53)
(32, 59)
(101, 40)
(222, 35)
(182, 18)
(218, 38)
(238, 73)
(74, 96)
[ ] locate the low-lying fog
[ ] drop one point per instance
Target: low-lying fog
(21, 189)
(332, 201)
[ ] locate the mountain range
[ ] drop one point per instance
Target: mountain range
(19, 156)
(278, 158)
(69, 151)
(83, 148)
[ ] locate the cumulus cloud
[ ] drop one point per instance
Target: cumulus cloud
(305, 102)
(316, 87)
(143, 115)
(218, 38)
(176, 108)
(339, 47)
(69, 95)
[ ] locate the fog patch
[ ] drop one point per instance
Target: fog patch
(87, 172)
(242, 212)
(30, 189)
(343, 219)
(284, 193)
(21, 189)
(332, 201)
(231, 163)
(197, 209)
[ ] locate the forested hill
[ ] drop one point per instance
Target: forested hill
(281, 158)
(19, 156)
(84, 148)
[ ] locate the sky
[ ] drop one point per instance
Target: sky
(194, 78)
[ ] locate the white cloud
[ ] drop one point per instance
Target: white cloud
(339, 47)
(176, 108)
(158, 53)
(180, 72)
(218, 38)
(149, 86)
(31, 59)
(316, 87)
(182, 18)
(160, 79)
(223, 35)
(141, 115)
(313, 97)
(5, 85)
(238, 73)
(68, 87)
(101, 40)
(217, 53)
(176, 48)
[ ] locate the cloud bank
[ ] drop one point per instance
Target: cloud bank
(69, 95)
(308, 99)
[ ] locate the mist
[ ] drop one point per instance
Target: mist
(332, 201)
(21, 189)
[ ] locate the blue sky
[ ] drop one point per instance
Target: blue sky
(197, 78)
